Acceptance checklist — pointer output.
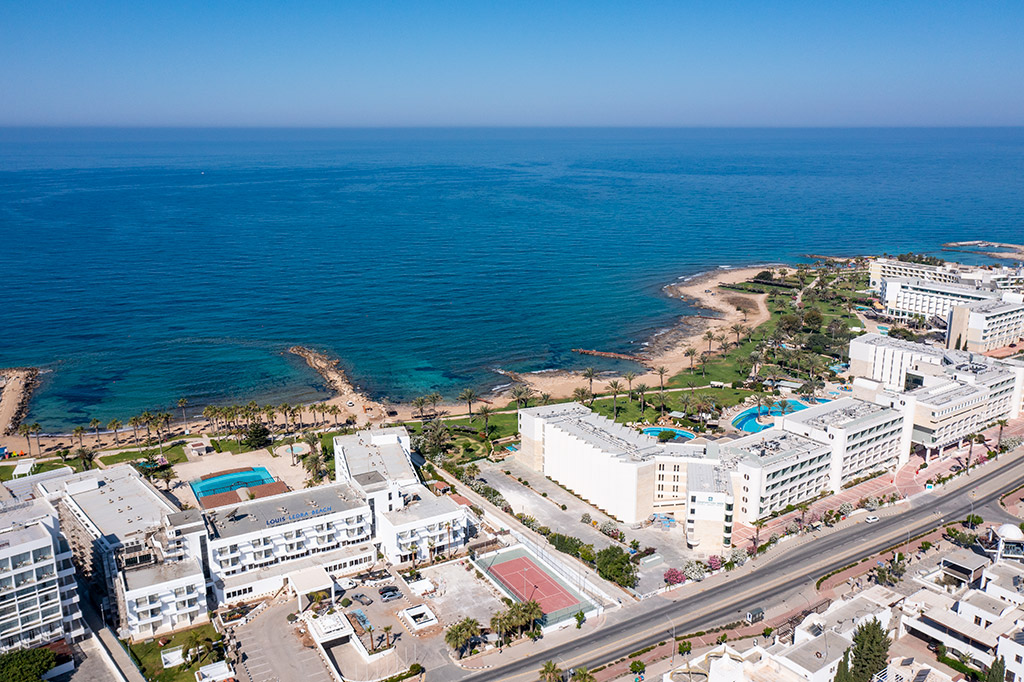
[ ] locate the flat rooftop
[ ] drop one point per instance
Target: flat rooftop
(606, 435)
(995, 307)
(428, 506)
(842, 413)
(704, 477)
(138, 578)
(256, 515)
(818, 653)
(961, 290)
(121, 504)
(878, 340)
(989, 605)
(377, 451)
(947, 393)
(773, 446)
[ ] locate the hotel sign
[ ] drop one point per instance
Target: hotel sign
(298, 516)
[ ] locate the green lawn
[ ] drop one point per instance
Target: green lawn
(6, 472)
(147, 655)
(629, 411)
(175, 454)
(502, 424)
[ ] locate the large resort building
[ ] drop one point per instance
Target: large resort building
(631, 475)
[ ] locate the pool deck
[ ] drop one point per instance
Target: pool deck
(220, 462)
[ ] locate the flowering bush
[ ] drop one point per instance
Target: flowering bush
(738, 556)
(695, 570)
(714, 562)
(674, 576)
(846, 509)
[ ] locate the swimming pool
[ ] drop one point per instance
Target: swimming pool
(681, 434)
(225, 483)
(884, 331)
(747, 419)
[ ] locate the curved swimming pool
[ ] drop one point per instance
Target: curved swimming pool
(681, 434)
(747, 419)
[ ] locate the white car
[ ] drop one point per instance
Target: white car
(871, 519)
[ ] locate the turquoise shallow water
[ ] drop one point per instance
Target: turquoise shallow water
(146, 265)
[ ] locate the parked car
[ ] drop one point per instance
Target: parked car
(871, 519)
(362, 599)
(390, 596)
(387, 588)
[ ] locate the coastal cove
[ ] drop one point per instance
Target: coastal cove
(426, 260)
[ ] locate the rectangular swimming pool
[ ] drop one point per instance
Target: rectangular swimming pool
(232, 481)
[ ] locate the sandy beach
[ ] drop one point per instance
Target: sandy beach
(19, 382)
(666, 350)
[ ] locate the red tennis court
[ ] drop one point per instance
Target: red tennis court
(527, 581)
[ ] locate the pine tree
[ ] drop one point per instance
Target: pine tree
(997, 671)
(843, 673)
(870, 650)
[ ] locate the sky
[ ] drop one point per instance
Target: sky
(511, 63)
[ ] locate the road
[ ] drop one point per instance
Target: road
(769, 583)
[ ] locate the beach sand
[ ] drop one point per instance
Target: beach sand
(17, 390)
(666, 351)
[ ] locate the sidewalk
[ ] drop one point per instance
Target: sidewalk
(107, 639)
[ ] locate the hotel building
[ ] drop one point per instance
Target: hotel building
(886, 359)
(1004, 278)
(908, 298)
(38, 591)
(986, 325)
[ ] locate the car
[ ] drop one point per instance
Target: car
(390, 596)
(387, 588)
(362, 599)
(871, 519)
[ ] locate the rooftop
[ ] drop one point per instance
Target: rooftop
(818, 653)
(139, 578)
(874, 339)
(842, 413)
(381, 451)
(946, 393)
(249, 517)
(119, 503)
(773, 446)
(703, 477)
(983, 602)
(962, 290)
(427, 507)
(995, 307)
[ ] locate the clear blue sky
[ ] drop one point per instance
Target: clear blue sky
(512, 62)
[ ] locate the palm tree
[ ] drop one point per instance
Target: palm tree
(469, 396)
(641, 390)
(79, 433)
(583, 675)
(522, 393)
(113, 425)
(26, 430)
(335, 412)
(434, 399)
(630, 377)
(37, 430)
(297, 416)
(723, 341)
(589, 373)
(661, 372)
(387, 636)
(709, 336)
(784, 407)
(545, 399)
(472, 470)
(147, 419)
(419, 404)
(737, 329)
(369, 631)
(691, 353)
(95, 425)
(1001, 423)
(286, 411)
(182, 402)
(550, 672)
(758, 525)
(456, 638)
(532, 612)
(135, 423)
(615, 387)
(499, 625)
(485, 413)
(580, 394)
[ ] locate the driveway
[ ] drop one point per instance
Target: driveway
(273, 652)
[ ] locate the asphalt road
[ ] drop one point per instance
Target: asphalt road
(770, 582)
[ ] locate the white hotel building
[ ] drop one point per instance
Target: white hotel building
(38, 592)
(907, 298)
(986, 325)
(631, 475)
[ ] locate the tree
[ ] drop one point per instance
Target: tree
(615, 387)
(256, 436)
(738, 329)
(26, 431)
(550, 672)
(813, 319)
(870, 650)
(522, 393)
(589, 374)
(843, 673)
(86, 457)
(165, 474)
(580, 394)
(685, 647)
(630, 377)
(709, 336)
(641, 390)
(113, 425)
(691, 353)
(613, 564)
(638, 667)
(135, 423)
(485, 413)
(581, 674)
(79, 433)
(662, 372)
(434, 440)
(387, 636)
(182, 402)
(469, 396)
(26, 665)
(996, 671)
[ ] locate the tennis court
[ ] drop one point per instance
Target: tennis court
(525, 578)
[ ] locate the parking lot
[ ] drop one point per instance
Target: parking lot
(273, 652)
(670, 545)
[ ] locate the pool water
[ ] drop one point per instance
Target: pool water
(228, 482)
(681, 434)
(747, 419)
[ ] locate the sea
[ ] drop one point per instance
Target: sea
(141, 266)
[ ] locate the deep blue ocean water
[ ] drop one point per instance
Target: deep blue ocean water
(145, 265)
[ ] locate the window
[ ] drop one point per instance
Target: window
(977, 620)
